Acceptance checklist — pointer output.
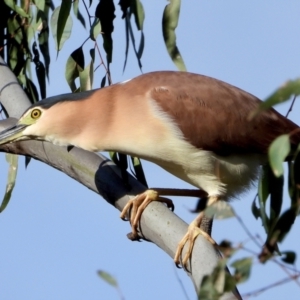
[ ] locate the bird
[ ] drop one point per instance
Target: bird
(193, 126)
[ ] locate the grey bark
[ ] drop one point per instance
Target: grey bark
(158, 224)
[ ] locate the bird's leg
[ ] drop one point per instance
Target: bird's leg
(200, 226)
(137, 205)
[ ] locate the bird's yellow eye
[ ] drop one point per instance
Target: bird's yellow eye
(36, 113)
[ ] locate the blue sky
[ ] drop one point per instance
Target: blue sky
(55, 234)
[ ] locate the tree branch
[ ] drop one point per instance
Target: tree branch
(101, 176)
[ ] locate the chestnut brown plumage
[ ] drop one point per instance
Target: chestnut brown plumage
(193, 126)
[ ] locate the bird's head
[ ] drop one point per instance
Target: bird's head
(29, 127)
(52, 120)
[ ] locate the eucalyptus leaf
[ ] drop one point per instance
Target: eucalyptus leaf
(278, 152)
(74, 65)
(169, 24)
(77, 13)
(12, 160)
(61, 26)
(108, 278)
(86, 77)
(12, 4)
(95, 29)
(282, 94)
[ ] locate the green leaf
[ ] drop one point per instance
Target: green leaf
(16, 8)
(220, 210)
(95, 29)
(74, 65)
(43, 38)
(103, 81)
(169, 24)
(86, 77)
(242, 269)
(108, 278)
(14, 30)
(255, 210)
(133, 44)
(77, 13)
(11, 179)
(139, 14)
(105, 11)
(278, 151)
(276, 198)
(40, 4)
(263, 194)
(138, 169)
(282, 94)
(40, 71)
(124, 5)
(282, 227)
(61, 24)
(213, 286)
(64, 14)
(31, 90)
(296, 182)
(289, 257)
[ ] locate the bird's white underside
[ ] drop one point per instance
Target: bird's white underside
(225, 176)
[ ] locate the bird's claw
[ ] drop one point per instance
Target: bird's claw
(135, 207)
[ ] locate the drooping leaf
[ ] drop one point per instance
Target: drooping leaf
(138, 169)
(95, 29)
(139, 14)
(61, 24)
(40, 4)
(77, 13)
(31, 90)
(64, 14)
(276, 198)
(103, 81)
(40, 71)
(282, 94)
(289, 257)
(169, 24)
(278, 151)
(74, 65)
(12, 4)
(213, 286)
(86, 77)
(296, 182)
(11, 179)
(282, 227)
(120, 160)
(255, 210)
(105, 11)
(242, 269)
(133, 44)
(43, 39)
(124, 5)
(108, 278)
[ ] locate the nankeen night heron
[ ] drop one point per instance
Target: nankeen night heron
(195, 127)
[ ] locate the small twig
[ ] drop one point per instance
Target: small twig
(275, 284)
(291, 106)
(105, 67)
(88, 13)
(180, 283)
(247, 230)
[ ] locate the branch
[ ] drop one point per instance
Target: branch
(101, 176)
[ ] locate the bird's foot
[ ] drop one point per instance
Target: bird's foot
(190, 237)
(137, 205)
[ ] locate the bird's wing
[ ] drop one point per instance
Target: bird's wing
(214, 115)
